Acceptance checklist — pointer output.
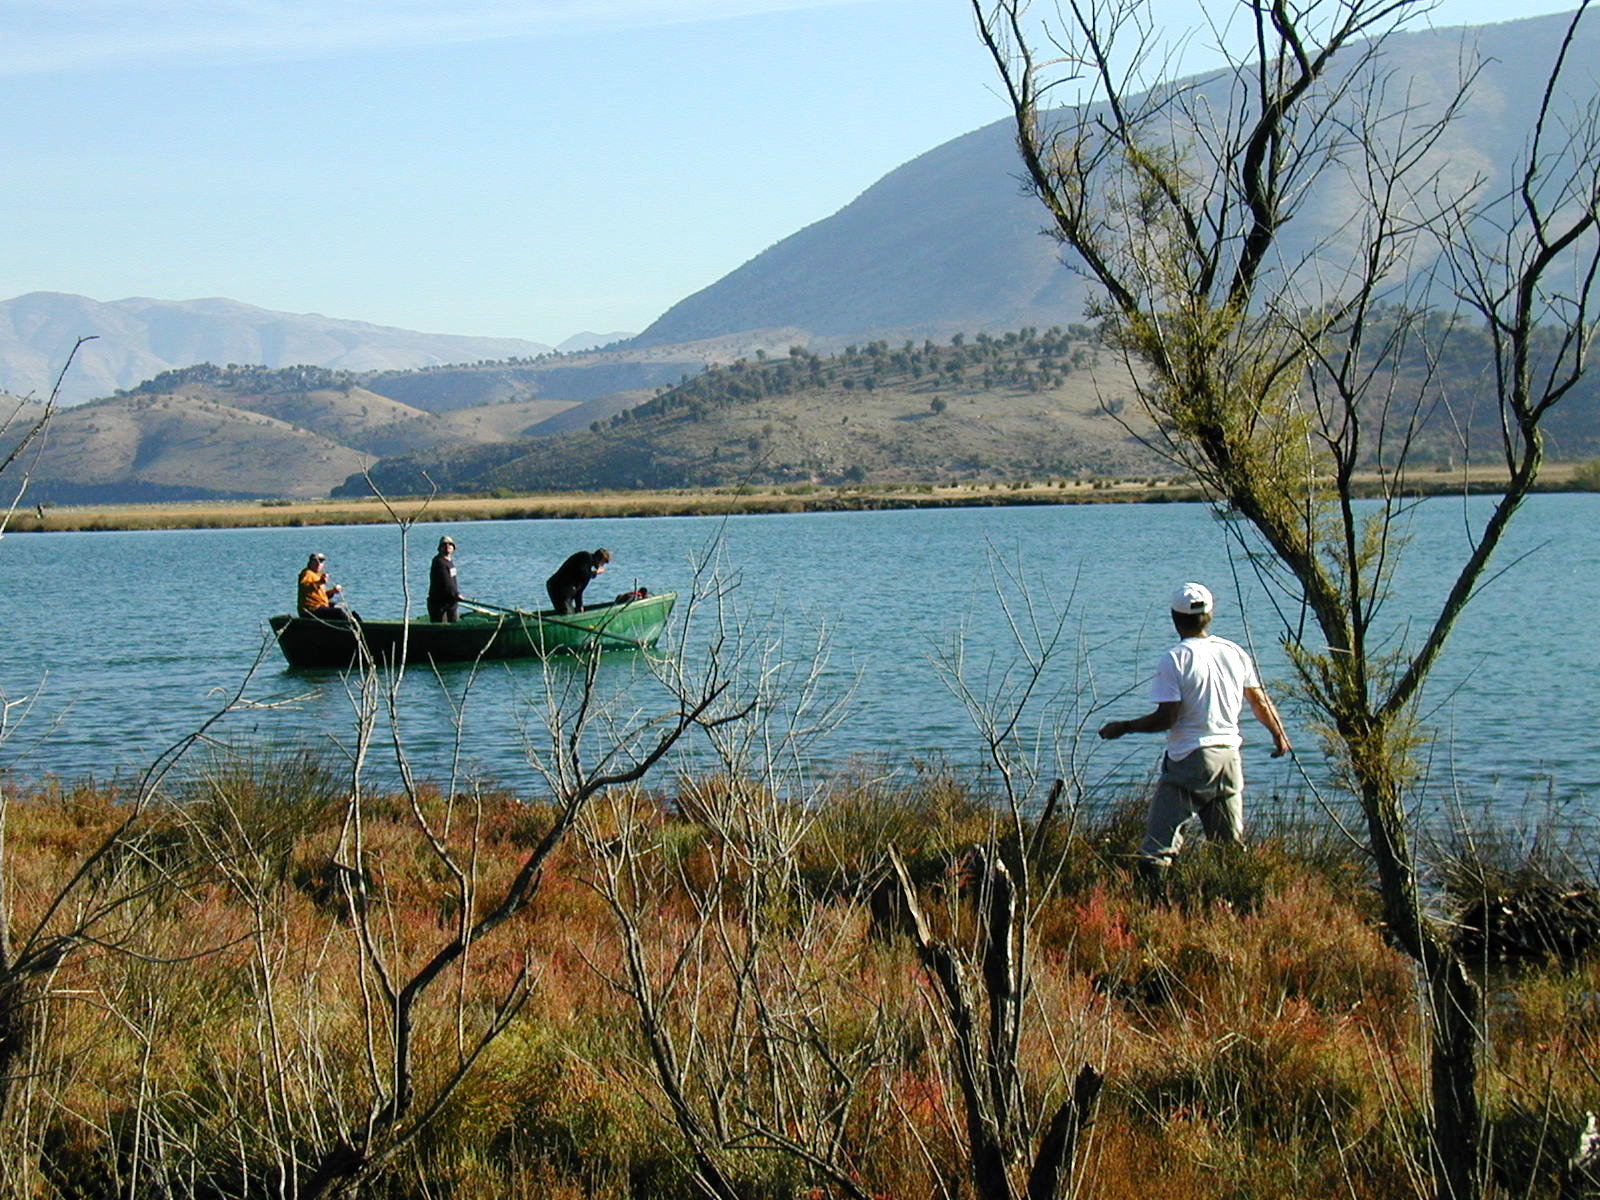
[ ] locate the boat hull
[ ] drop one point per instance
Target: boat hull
(631, 625)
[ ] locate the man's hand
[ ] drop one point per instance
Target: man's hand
(1112, 730)
(1267, 713)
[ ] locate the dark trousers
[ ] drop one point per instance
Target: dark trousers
(565, 599)
(330, 613)
(443, 610)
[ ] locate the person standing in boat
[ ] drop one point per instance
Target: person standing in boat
(1200, 688)
(571, 577)
(444, 594)
(315, 594)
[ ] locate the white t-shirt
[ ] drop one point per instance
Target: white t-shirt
(1207, 676)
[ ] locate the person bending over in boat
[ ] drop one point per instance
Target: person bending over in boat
(316, 594)
(444, 594)
(571, 577)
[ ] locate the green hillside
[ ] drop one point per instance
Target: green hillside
(1027, 404)
(1048, 405)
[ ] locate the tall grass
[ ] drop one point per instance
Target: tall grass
(1257, 1035)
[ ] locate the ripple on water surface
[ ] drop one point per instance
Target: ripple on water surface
(133, 639)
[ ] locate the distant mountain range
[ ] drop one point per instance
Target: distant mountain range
(945, 244)
(950, 243)
(140, 338)
(237, 432)
(1028, 405)
(579, 342)
(1032, 404)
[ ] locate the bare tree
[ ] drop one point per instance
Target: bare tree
(598, 738)
(738, 996)
(107, 892)
(363, 992)
(1277, 368)
(26, 432)
(983, 984)
(101, 907)
(739, 972)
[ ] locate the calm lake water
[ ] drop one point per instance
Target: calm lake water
(127, 641)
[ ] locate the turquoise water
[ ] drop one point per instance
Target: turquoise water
(115, 645)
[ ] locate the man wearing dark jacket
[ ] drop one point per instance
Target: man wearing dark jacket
(443, 593)
(571, 577)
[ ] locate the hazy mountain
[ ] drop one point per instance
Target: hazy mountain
(945, 244)
(170, 447)
(139, 338)
(590, 341)
(209, 431)
(949, 242)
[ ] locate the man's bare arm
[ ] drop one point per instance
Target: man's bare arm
(1158, 721)
(1267, 713)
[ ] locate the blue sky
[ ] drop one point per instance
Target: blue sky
(523, 168)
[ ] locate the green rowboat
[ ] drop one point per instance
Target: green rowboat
(488, 633)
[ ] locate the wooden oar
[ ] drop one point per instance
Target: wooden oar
(495, 608)
(546, 618)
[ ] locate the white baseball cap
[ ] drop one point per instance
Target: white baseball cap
(1192, 598)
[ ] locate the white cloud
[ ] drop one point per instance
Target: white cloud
(51, 36)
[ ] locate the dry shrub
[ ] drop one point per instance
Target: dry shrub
(1305, 942)
(1525, 899)
(545, 1100)
(1096, 848)
(1253, 1042)
(1257, 1034)
(1270, 1101)
(1129, 1161)
(932, 818)
(1094, 933)
(1543, 1084)
(52, 829)
(250, 802)
(1521, 897)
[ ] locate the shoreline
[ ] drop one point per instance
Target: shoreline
(730, 501)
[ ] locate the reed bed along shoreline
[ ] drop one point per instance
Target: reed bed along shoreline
(1258, 1035)
(754, 499)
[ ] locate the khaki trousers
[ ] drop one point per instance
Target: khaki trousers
(1208, 783)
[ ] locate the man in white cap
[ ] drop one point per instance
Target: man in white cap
(1201, 686)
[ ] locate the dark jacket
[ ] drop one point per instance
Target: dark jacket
(575, 573)
(442, 589)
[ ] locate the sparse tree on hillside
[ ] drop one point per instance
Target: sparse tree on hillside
(1265, 375)
(22, 439)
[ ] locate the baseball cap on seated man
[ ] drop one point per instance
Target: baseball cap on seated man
(1191, 598)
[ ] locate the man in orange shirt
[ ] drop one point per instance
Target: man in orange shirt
(316, 593)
